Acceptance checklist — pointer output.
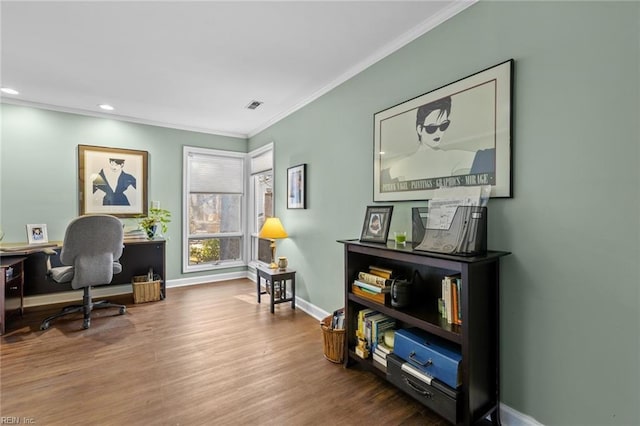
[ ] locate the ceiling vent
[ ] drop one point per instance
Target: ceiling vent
(254, 104)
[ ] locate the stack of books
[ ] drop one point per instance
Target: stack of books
(380, 355)
(374, 284)
(135, 234)
(449, 303)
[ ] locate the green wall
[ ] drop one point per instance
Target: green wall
(570, 321)
(39, 169)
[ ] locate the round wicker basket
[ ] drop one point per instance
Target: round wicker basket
(333, 341)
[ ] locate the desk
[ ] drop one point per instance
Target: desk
(137, 257)
(279, 291)
(12, 294)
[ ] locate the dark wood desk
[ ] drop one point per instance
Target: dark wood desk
(12, 294)
(137, 257)
(276, 284)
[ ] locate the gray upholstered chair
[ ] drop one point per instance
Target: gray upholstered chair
(90, 252)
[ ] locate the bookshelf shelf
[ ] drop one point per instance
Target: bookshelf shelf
(477, 337)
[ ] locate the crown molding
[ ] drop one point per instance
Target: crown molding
(415, 32)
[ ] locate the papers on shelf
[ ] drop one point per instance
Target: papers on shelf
(453, 214)
(442, 207)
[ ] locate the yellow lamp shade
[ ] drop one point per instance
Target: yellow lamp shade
(273, 229)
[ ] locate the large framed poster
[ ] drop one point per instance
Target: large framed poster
(112, 181)
(457, 135)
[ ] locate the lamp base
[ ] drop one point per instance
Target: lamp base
(273, 264)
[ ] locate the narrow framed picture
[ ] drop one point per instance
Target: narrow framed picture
(375, 228)
(296, 187)
(112, 181)
(37, 234)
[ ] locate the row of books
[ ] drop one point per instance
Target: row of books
(374, 284)
(371, 328)
(449, 303)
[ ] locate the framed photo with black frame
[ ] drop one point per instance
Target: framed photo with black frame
(296, 187)
(112, 181)
(457, 135)
(377, 220)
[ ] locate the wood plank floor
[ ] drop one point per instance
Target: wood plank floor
(207, 355)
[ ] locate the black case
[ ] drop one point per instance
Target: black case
(437, 396)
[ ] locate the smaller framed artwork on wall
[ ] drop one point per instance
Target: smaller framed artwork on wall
(112, 181)
(375, 228)
(296, 187)
(37, 234)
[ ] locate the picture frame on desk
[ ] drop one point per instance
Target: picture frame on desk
(37, 233)
(375, 228)
(112, 181)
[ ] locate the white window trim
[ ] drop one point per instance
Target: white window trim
(251, 197)
(186, 268)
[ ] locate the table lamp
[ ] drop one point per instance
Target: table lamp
(272, 230)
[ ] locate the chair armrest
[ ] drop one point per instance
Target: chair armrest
(49, 252)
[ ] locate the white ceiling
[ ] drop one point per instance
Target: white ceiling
(197, 65)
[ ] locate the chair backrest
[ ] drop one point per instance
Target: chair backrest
(92, 243)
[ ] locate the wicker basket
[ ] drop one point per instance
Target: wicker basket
(144, 290)
(333, 341)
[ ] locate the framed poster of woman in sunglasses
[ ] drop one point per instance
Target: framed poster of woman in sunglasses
(457, 135)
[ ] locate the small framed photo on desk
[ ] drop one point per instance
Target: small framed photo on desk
(37, 234)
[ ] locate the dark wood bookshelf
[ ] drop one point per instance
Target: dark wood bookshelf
(477, 337)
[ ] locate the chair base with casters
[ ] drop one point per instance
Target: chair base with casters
(87, 306)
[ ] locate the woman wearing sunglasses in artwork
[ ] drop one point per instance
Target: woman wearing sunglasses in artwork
(432, 159)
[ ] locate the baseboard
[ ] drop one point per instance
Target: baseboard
(310, 309)
(511, 417)
(75, 295)
(115, 290)
(203, 279)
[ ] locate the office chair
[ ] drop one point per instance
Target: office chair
(91, 249)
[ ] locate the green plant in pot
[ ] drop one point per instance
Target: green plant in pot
(155, 223)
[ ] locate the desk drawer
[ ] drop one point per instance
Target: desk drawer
(13, 288)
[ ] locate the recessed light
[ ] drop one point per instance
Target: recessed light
(9, 91)
(106, 107)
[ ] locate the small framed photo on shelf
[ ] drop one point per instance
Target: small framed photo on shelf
(375, 228)
(296, 187)
(37, 234)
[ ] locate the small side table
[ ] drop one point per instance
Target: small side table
(273, 276)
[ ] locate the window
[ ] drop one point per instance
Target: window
(261, 193)
(213, 211)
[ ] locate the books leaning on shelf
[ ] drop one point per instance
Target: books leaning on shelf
(370, 333)
(449, 303)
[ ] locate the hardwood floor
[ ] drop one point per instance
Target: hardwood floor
(207, 355)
